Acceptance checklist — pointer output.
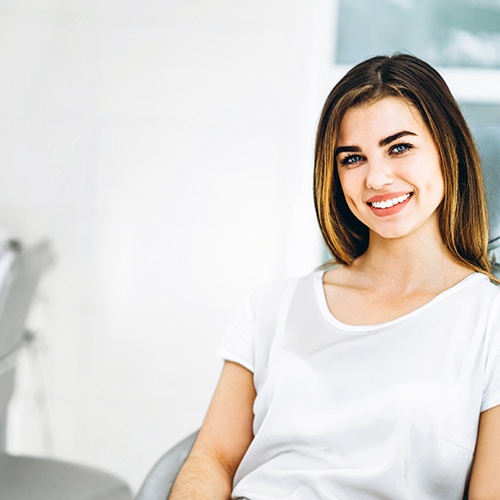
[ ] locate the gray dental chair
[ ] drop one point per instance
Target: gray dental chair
(159, 482)
(488, 141)
(25, 477)
(161, 478)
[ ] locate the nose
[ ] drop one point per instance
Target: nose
(379, 174)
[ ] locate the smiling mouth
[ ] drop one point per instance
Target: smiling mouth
(391, 202)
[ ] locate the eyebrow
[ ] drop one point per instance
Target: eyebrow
(382, 142)
(394, 137)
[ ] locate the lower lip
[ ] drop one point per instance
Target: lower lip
(395, 209)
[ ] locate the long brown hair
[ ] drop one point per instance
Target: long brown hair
(463, 215)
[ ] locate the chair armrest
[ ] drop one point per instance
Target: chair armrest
(160, 480)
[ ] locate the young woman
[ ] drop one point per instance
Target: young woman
(380, 377)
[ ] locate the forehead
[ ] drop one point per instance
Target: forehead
(380, 119)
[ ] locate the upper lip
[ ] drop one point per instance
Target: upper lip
(387, 196)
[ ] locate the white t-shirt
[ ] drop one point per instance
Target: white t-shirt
(385, 411)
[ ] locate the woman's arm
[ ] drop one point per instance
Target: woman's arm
(223, 439)
(485, 475)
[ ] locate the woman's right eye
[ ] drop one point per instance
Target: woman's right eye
(350, 160)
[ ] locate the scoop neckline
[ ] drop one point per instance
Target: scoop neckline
(330, 318)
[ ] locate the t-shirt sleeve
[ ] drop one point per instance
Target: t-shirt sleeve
(237, 345)
(491, 391)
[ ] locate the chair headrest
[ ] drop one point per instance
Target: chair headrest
(488, 143)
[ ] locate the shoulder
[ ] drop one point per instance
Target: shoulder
(339, 275)
(491, 294)
(274, 295)
(276, 289)
(475, 298)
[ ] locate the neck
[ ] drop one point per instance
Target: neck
(403, 265)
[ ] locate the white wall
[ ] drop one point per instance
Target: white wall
(166, 149)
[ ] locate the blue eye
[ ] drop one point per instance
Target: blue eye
(350, 160)
(401, 148)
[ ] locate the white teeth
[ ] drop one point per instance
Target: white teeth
(390, 203)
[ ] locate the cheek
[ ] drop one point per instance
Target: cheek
(351, 192)
(435, 186)
(345, 184)
(435, 189)
(350, 186)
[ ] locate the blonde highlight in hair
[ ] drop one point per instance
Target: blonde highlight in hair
(463, 215)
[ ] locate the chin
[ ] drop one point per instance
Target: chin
(391, 233)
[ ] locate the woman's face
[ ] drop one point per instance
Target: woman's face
(389, 168)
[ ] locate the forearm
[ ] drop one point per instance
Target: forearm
(223, 440)
(203, 478)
